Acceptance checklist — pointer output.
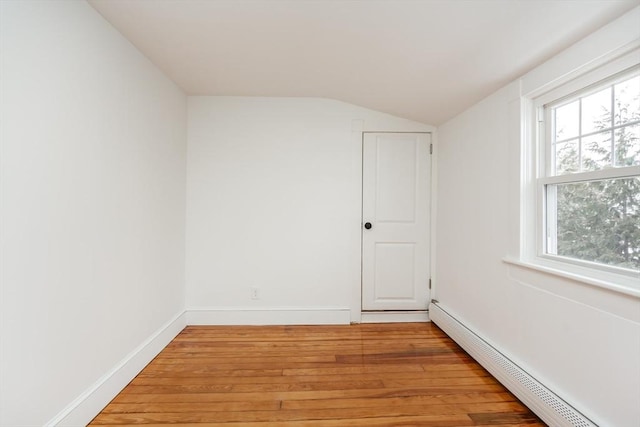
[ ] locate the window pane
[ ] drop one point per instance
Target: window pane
(596, 111)
(598, 221)
(596, 151)
(627, 101)
(628, 146)
(567, 119)
(567, 158)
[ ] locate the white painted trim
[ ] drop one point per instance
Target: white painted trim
(269, 316)
(357, 127)
(85, 407)
(433, 216)
(394, 316)
(609, 173)
(619, 283)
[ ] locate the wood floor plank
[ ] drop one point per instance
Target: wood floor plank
(314, 414)
(402, 421)
(309, 376)
(211, 378)
(213, 350)
(309, 403)
(407, 400)
(197, 394)
(502, 418)
(308, 386)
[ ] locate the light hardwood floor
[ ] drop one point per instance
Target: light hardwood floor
(402, 374)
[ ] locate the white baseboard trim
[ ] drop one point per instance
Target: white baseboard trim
(268, 316)
(550, 407)
(394, 316)
(85, 407)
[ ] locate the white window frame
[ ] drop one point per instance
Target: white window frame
(538, 164)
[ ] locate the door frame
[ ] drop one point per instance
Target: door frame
(357, 139)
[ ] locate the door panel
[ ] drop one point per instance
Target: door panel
(394, 271)
(396, 180)
(396, 197)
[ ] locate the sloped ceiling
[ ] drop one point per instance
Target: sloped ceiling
(425, 60)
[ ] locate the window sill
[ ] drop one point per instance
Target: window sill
(617, 283)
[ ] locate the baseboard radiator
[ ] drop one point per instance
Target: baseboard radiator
(543, 402)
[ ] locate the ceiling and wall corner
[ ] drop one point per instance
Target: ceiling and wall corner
(422, 60)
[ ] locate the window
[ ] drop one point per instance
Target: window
(589, 175)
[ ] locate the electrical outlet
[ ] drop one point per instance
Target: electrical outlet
(254, 293)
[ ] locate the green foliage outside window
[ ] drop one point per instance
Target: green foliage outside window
(599, 221)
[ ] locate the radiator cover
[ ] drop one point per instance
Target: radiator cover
(552, 409)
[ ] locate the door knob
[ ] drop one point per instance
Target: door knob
(367, 225)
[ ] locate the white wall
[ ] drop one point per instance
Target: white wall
(273, 201)
(582, 341)
(93, 198)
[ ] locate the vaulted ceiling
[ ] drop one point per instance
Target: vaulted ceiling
(425, 60)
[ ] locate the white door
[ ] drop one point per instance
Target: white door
(395, 217)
